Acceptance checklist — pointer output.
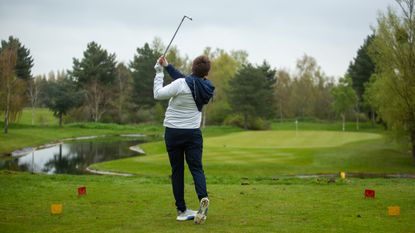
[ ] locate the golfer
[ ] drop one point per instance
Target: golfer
(183, 137)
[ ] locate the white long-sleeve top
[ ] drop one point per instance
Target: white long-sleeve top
(182, 112)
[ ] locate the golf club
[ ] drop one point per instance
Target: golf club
(168, 46)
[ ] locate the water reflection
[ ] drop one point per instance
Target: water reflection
(71, 158)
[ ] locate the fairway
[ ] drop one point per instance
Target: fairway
(266, 154)
(288, 139)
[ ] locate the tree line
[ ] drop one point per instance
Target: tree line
(99, 89)
(379, 84)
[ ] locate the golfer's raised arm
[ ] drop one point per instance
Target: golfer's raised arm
(160, 92)
(173, 72)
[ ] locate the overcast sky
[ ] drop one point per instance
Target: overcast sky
(279, 31)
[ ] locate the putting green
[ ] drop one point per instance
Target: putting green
(288, 139)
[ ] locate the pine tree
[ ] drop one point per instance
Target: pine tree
(143, 76)
(361, 68)
(96, 73)
(251, 92)
(61, 96)
(24, 62)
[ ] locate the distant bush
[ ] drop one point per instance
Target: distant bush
(76, 115)
(144, 116)
(258, 123)
(254, 123)
(234, 120)
(217, 113)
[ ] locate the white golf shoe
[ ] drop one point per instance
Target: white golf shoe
(185, 215)
(201, 214)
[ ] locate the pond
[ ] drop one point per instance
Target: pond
(73, 157)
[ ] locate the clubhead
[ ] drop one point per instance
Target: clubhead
(168, 46)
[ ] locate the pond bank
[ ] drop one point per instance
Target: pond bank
(74, 155)
(26, 150)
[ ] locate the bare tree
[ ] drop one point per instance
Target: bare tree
(98, 97)
(11, 87)
(33, 96)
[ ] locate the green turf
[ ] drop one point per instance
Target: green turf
(324, 125)
(42, 116)
(268, 200)
(288, 139)
(257, 154)
(137, 204)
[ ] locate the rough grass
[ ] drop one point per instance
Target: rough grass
(42, 116)
(138, 204)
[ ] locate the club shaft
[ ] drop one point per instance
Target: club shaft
(168, 46)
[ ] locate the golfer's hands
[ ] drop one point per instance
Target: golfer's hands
(163, 61)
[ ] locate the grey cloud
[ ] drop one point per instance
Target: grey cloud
(56, 31)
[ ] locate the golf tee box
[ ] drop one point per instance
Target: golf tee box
(56, 208)
(369, 193)
(82, 191)
(394, 210)
(343, 175)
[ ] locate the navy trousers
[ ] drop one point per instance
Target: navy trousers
(186, 144)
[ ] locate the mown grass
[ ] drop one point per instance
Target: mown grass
(246, 176)
(138, 204)
(290, 124)
(259, 154)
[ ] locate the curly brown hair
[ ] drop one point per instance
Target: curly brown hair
(201, 66)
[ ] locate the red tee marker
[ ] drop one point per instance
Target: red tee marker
(81, 191)
(369, 193)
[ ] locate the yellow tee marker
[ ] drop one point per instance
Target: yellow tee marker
(56, 208)
(343, 175)
(394, 210)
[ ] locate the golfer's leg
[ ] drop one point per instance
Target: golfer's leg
(193, 152)
(176, 157)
